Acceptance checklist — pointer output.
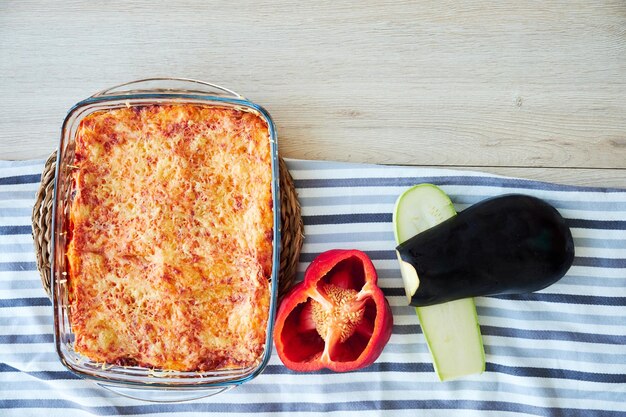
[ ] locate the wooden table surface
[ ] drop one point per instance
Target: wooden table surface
(534, 89)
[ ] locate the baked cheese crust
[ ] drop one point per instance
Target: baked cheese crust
(170, 240)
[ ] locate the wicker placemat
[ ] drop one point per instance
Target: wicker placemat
(292, 229)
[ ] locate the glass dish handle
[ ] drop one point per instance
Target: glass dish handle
(168, 85)
(170, 395)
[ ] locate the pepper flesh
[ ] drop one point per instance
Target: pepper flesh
(337, 318)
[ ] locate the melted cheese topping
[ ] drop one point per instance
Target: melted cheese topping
(171, 228)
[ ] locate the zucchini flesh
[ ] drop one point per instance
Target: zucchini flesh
(451, 329)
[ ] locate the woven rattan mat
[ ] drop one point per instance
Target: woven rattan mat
(292, 229)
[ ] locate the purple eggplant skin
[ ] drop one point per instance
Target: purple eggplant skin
(512, 244)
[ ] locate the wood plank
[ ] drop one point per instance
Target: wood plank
(511, 84)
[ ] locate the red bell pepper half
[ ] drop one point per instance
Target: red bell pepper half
(337, 318)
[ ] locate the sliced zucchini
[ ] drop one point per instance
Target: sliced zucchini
(451, 329)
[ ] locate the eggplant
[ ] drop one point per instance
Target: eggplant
(511, 244)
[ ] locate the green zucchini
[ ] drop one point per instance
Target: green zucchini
(451, 329)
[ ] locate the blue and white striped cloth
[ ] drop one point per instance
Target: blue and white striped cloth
(559, 352)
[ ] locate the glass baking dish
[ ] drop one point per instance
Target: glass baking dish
(134, 381)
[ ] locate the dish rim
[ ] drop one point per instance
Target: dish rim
(107, 99)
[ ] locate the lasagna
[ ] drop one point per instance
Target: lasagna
(170, 237)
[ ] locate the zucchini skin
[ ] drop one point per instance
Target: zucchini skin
(510, 244)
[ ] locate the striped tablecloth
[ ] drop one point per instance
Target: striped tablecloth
(559, 352)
